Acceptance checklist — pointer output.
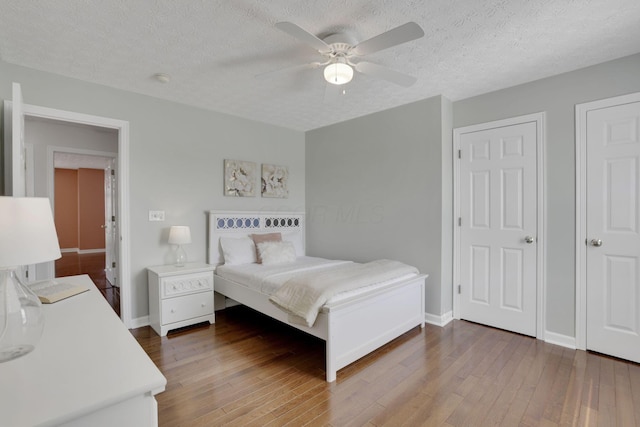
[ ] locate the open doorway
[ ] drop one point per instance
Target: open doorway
(16, 112)
(80, 163)
(83, 198)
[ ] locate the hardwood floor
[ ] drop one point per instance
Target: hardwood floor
(72, 263)
(249, 370)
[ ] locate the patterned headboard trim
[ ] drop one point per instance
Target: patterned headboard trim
(239, 224)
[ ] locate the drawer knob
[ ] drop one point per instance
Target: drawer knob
(173, 310)
(202, 305)
(174, 287)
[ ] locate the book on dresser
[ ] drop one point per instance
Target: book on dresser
(50, 291)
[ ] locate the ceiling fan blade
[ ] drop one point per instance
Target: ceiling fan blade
(303, 35)
(402, 34)
(288, 69)
(375, 70)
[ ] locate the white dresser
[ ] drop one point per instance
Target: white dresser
(180, 296)
(87, 370)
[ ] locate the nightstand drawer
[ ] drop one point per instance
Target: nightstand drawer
(186, 284)
(187, 307)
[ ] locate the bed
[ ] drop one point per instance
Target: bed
(352, 324)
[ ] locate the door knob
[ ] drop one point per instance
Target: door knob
(596, 242)
(529, 239)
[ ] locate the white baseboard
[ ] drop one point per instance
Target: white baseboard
(68, 250)
(139, 322)
(91, 251)
(559, 339)
(438, 320)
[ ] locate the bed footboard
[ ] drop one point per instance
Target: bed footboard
(351, 328)
(355, 329)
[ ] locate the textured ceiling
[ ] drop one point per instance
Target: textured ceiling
(213, 50)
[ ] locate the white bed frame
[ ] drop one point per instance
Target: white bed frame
(352, 328)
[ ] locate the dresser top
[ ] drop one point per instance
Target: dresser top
(85, 360)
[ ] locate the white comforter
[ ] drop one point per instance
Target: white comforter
(303, 294)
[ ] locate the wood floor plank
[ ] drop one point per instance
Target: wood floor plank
(607, 394)
(558, 391)
(539, 397)
(634, 379)
(510, 381)
(575, 386)
(625, 414)
(248, 370)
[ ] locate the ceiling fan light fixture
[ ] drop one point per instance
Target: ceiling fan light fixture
(338, 73)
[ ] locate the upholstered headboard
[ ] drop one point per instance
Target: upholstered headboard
(239, 224)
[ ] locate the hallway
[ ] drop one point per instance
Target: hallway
(72, 263)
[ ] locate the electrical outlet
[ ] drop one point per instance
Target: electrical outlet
(156, 215)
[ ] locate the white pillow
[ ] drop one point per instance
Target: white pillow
(276, 252)
(237, 251)
(295, 237)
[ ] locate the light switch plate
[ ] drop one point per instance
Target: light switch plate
(156, 215)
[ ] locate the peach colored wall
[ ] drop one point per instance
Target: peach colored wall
(66, 209)
(91, 208)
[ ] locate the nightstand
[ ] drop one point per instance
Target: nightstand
(180, 296)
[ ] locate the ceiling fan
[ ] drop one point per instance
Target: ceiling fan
(342, 54)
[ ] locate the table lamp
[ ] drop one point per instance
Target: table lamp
(180, 235)
(27, 236)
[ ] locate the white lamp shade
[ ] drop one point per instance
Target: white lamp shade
(338, 73)
(27, 231)
(179, 235)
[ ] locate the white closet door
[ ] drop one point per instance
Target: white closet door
(613, 235)
(498, 235)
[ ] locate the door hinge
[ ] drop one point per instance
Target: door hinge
(113, 218)
(459, 221)
(113, 264)
(459, 289)
(459, 154)
(113, 172)
(26, 273)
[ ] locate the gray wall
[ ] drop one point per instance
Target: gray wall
(176, 160)
(43, 134)
(557, 96)
(446, 244)
(374, 189)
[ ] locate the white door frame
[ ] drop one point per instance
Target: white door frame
(540, 120)
(581, 207)
(123, 188)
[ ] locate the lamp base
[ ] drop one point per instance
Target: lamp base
(181, 257)
(21, 317)
(11, 353)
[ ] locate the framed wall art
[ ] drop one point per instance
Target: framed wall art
(274, 181)
(239, 178)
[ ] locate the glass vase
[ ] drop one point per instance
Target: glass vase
(21, 317)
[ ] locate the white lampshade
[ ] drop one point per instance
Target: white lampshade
(179, 235)
(27, 236)
(338, 73)
(27, 231)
